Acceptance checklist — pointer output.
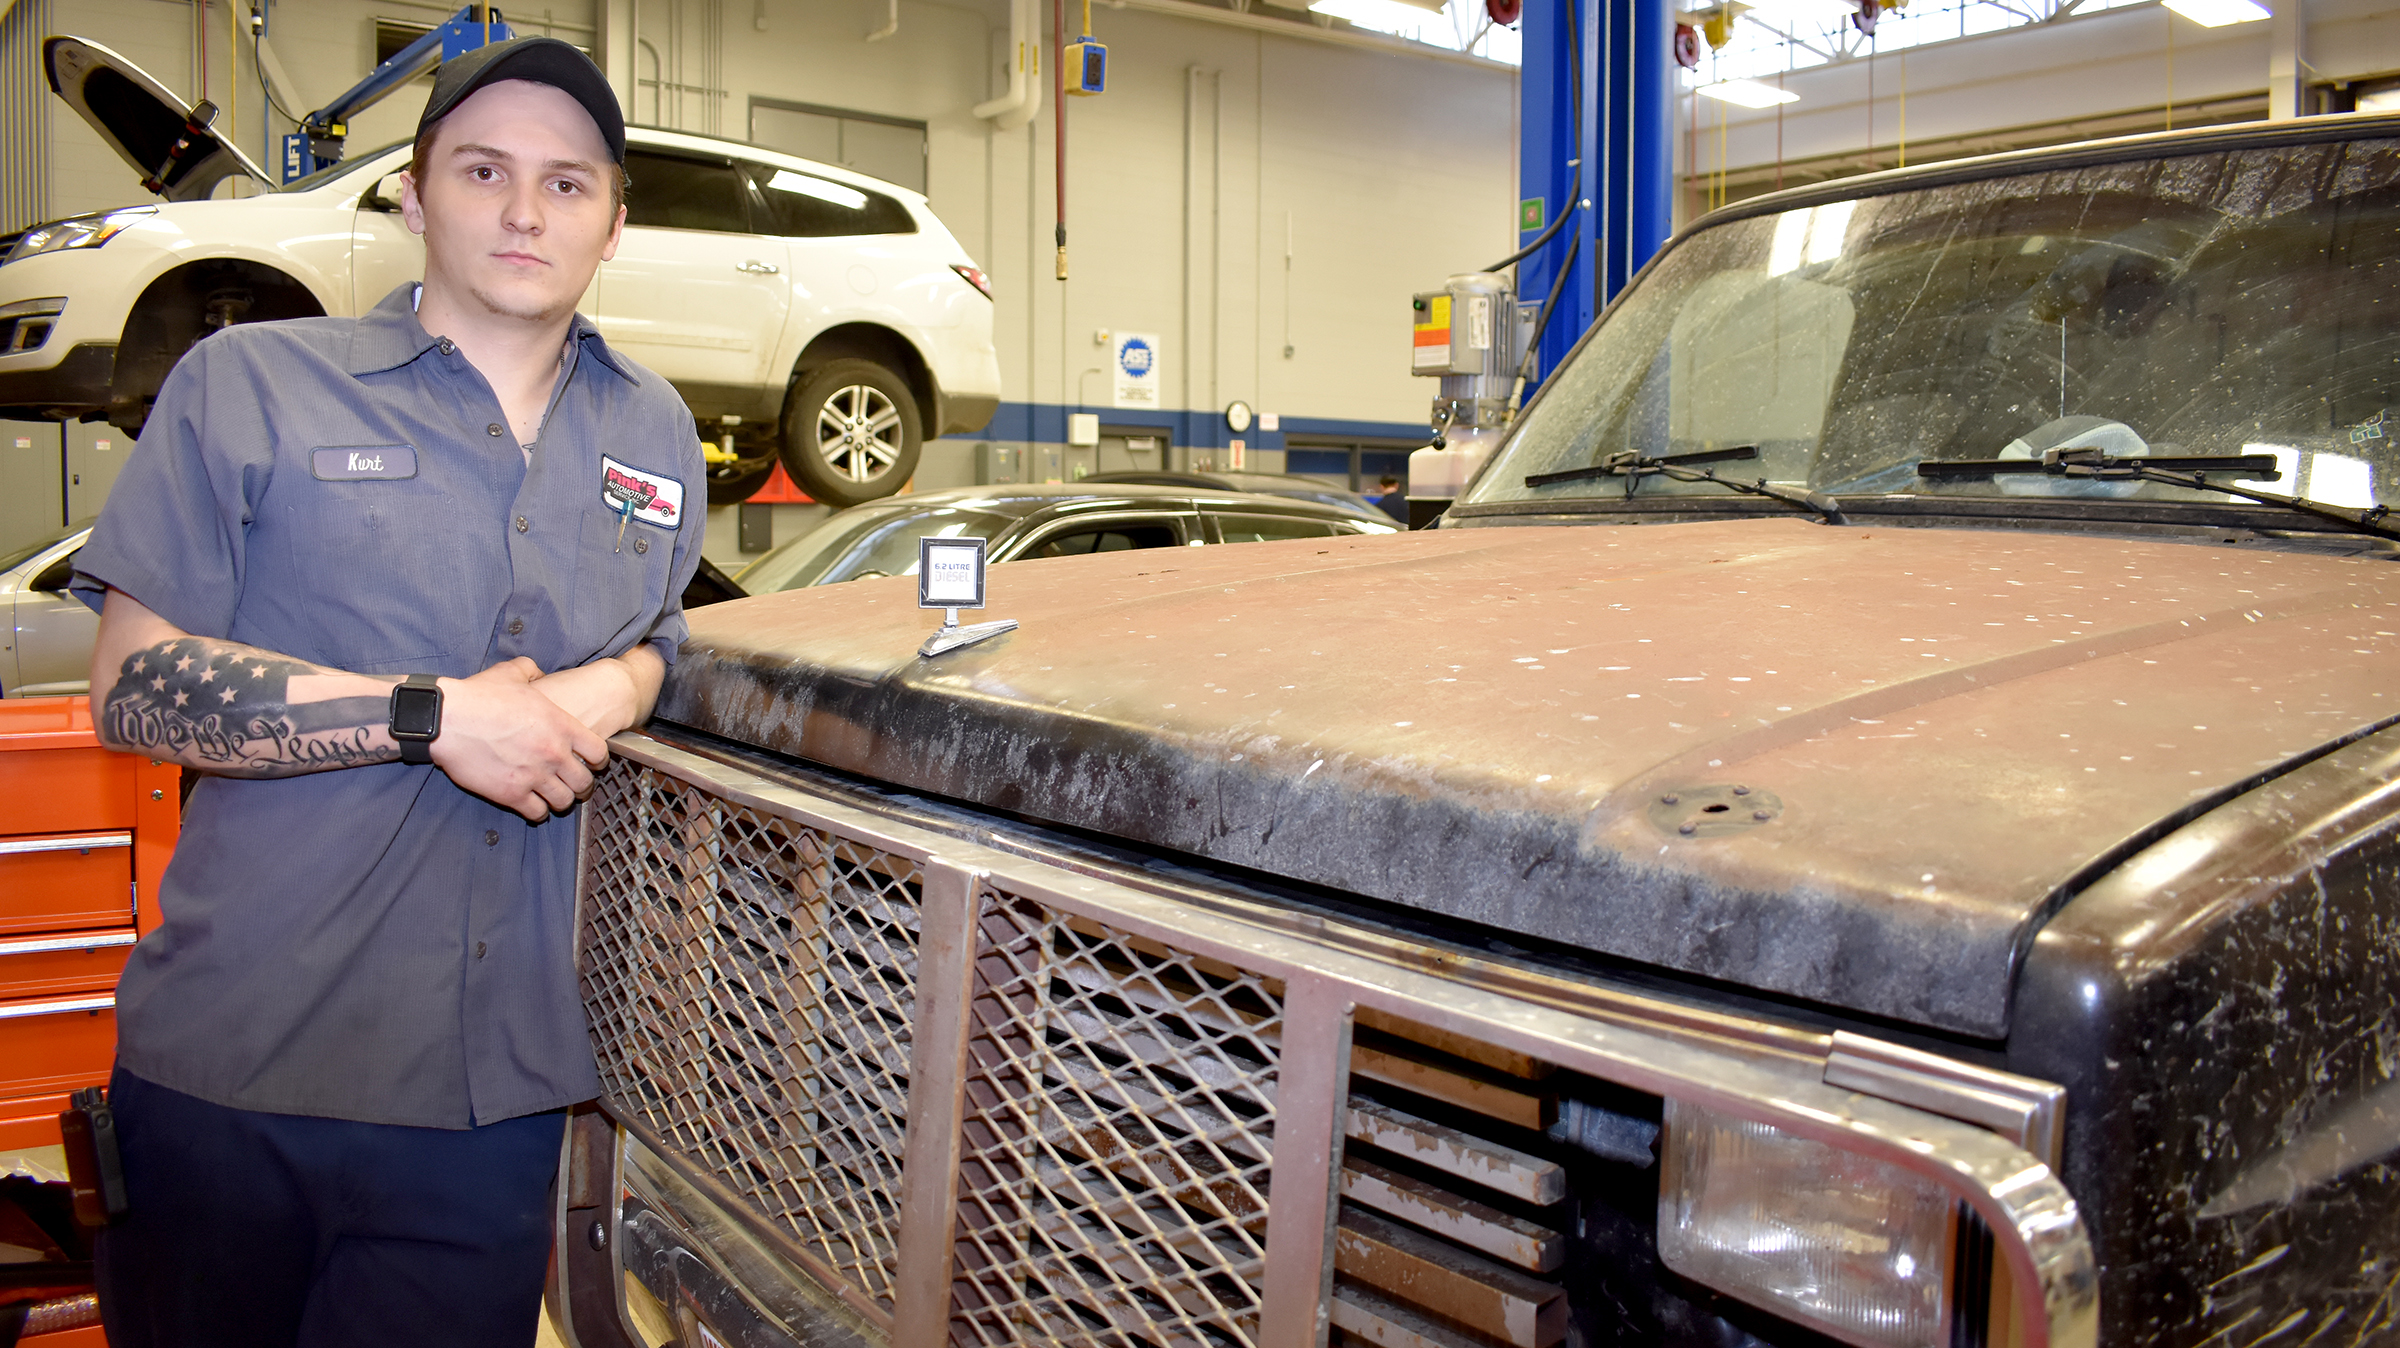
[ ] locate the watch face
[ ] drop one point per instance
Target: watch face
(416, 711)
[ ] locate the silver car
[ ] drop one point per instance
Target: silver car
(50, 632)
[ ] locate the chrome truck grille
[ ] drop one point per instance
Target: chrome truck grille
(980, 1097)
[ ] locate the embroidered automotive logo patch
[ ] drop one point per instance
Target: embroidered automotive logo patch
(640, 495)
(363, 463)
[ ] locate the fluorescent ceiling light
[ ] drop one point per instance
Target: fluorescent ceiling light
(1784, 11)
(1753, 94)
(1380, 13)
(2218, 13)
(2382, 100)
(1811, 235)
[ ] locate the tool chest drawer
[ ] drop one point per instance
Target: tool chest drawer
(56, 790)
(56, 1043)
(50, 965)
(65, 881)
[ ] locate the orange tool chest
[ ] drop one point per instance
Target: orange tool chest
(85, 834)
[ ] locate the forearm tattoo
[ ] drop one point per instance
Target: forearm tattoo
(224, 707)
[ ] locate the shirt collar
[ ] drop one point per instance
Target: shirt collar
(388, 336)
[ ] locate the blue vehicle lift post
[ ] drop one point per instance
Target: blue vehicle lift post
(318, 142)
(1599, 88)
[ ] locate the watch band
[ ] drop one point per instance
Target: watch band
(416, 717)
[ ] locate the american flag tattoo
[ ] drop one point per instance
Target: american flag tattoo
(228, 706)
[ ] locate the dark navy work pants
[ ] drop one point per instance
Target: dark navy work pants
(265, 1230)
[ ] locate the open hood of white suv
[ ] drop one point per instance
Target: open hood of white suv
(177, 156)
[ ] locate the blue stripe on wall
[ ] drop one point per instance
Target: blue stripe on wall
(1046, 423)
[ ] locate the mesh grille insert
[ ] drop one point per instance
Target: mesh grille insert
(1118, 1130)
(751, 984)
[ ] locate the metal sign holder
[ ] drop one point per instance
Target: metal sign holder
(950, 577)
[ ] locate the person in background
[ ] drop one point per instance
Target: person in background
(389, 583)
(1391, 500)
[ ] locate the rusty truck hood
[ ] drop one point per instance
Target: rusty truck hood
(1855, 766)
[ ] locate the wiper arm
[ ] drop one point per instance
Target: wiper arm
(1634, 466)
(2099, 463)
(2188, 471)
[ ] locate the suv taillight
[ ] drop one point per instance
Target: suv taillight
(974, 276)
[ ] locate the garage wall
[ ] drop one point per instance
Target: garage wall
(1264, 203)
(323, 47)
(1236, 192)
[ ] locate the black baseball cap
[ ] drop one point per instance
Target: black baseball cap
(544, 60)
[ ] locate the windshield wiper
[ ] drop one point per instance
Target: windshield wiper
(1633, 466)
(2189, 471)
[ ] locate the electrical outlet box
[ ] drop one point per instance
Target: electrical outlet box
(1087, 67)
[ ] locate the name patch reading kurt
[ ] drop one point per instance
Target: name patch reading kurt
(363, 463)
(635, 493)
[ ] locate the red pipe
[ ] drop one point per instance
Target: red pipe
(1058, 104)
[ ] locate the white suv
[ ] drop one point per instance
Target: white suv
(800, 309)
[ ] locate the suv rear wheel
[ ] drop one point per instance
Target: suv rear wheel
(851, 432)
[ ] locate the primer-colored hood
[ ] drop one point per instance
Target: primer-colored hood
(1852, 765)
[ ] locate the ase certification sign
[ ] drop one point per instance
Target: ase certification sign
(1135, 369)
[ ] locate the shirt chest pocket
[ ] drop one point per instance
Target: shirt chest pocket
(620, 579)
(389, 563)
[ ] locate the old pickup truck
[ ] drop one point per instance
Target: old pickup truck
(1876, 819)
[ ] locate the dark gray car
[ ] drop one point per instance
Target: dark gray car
(1023, 521)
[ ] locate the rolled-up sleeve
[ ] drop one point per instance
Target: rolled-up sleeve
(172, 533)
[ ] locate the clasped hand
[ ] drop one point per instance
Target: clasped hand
(530, 741)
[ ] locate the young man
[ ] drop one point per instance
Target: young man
(1389, 500)
(390, 582)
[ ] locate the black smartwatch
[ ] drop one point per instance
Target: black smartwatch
(416, 717)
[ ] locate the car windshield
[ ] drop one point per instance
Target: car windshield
(865, 542)
(350, 164)
(2233, 302)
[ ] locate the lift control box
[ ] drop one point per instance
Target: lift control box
(1086, 67)
(1455, 331)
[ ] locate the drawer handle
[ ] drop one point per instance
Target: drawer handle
(80, 843)
(20, 1010)
(43, 945)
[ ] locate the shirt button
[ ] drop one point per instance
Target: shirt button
(516, 627)
(448, 346)
(641, 545)
(494, 428)
(479, 949)
(491, 837)
(522, 525)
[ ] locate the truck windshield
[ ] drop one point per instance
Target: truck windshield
(2231, 302)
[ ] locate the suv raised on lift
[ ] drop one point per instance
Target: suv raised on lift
(802, 310)
(1876, 820)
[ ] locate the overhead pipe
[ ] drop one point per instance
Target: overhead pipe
(891, 25)
(1024, 97)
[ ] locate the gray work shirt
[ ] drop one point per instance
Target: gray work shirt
(374, 943)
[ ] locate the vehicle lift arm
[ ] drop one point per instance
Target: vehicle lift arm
(318, 142)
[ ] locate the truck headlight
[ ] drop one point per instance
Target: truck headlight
(84, 231)
(1845, 1243)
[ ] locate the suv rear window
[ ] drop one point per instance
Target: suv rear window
(677, 192)
(803, 205)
